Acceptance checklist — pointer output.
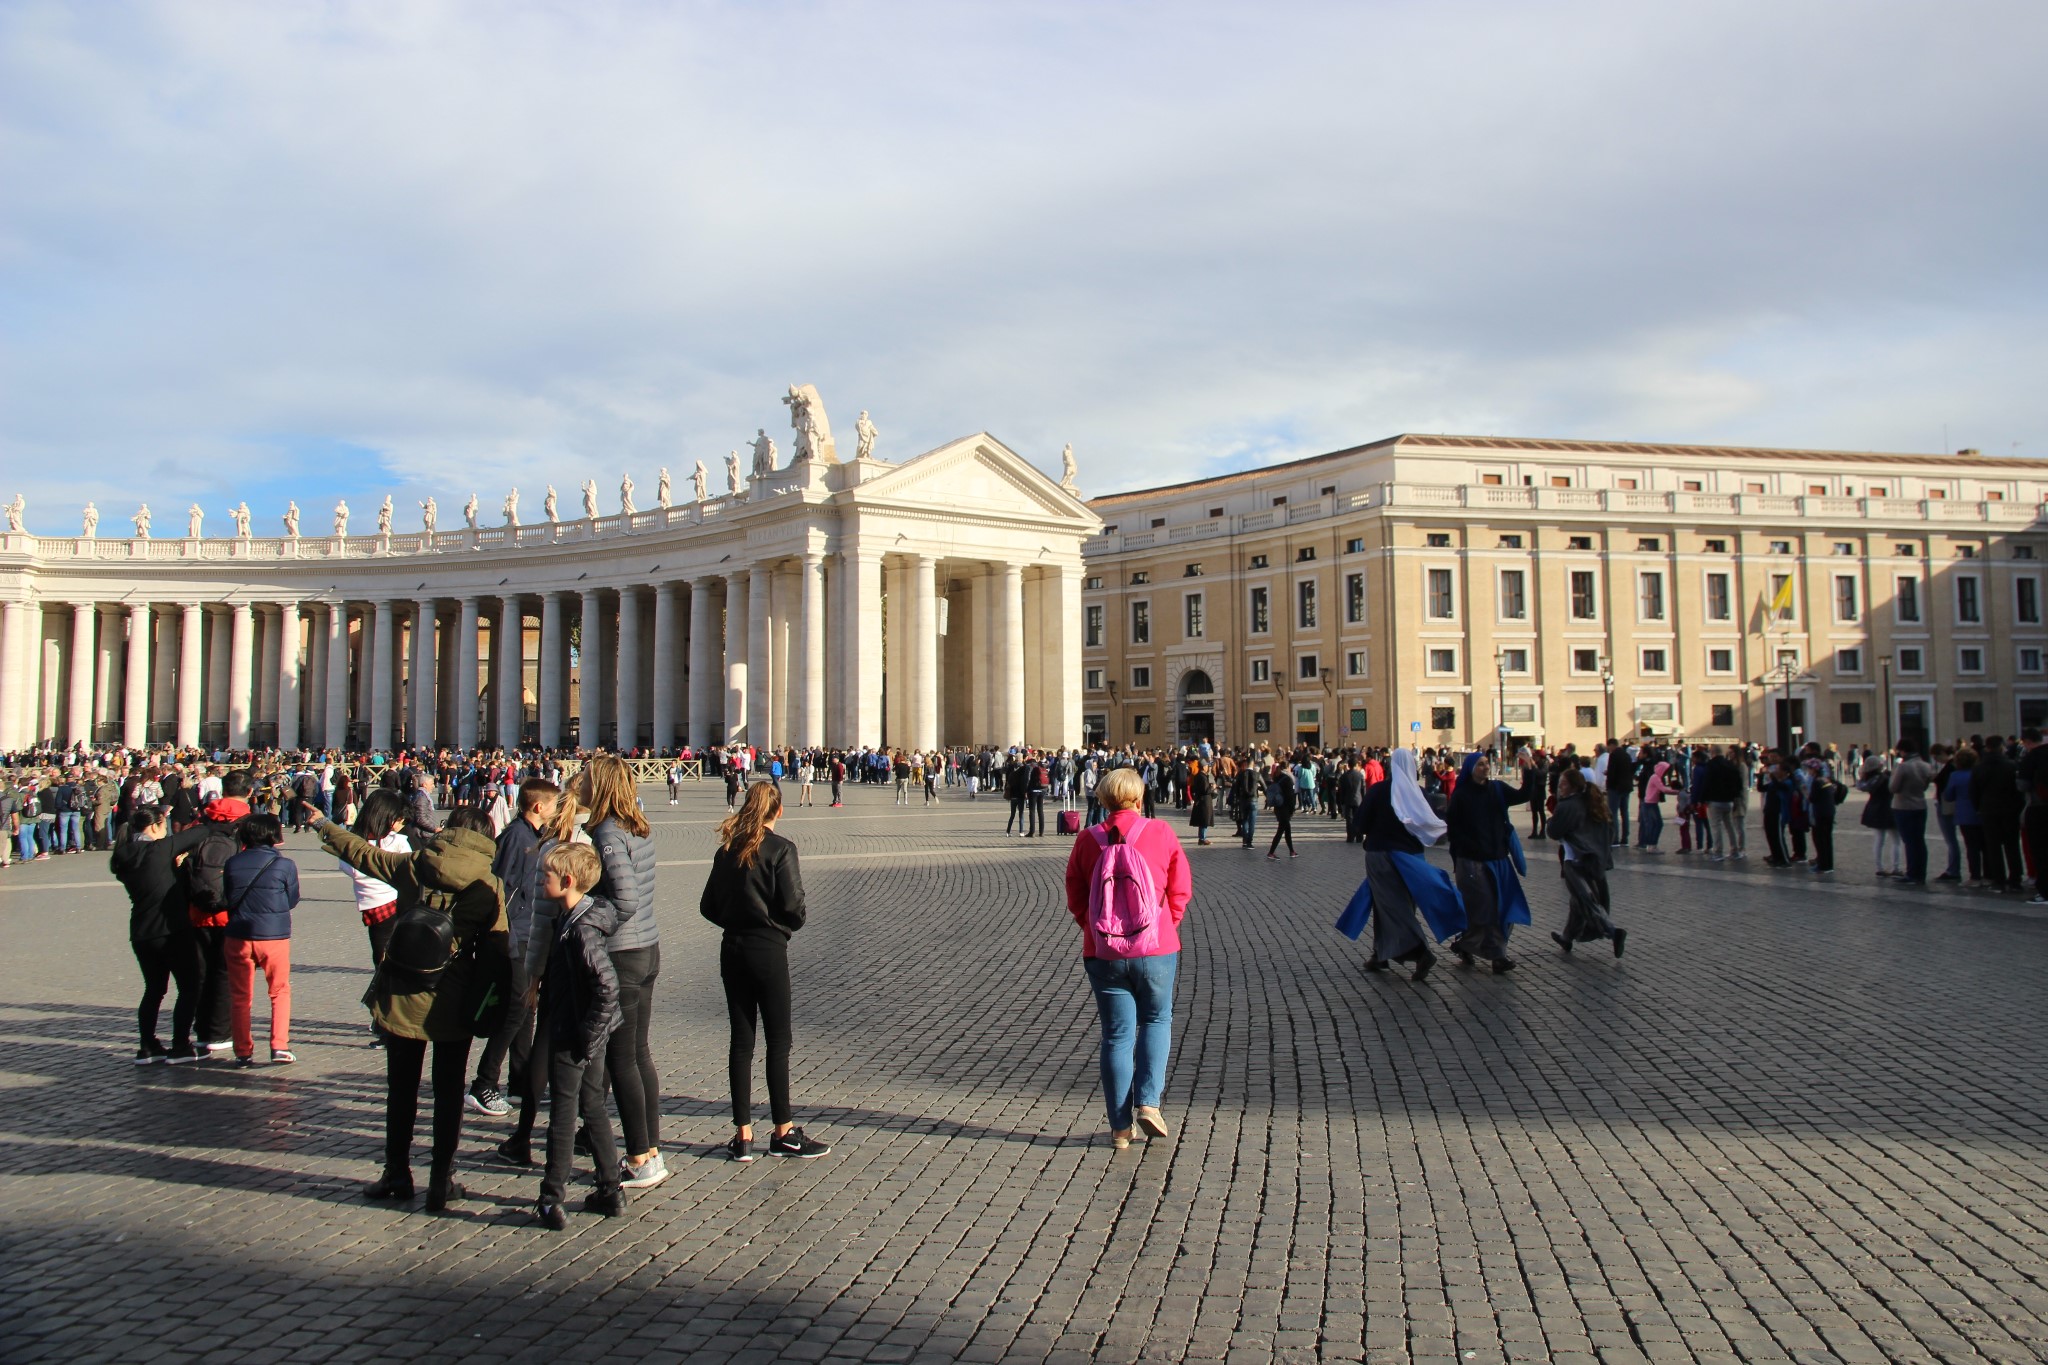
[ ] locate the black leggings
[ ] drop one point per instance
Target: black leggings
(629, 1057)
(162, 959)
(404, 1058)
(1283, 828)
(756, 976)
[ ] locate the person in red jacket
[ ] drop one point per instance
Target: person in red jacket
(1134, 995)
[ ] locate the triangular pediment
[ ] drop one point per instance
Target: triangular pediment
(979, 473)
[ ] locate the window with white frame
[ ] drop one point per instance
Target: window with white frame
(1192, 615)
(1141, 678)
(1585, 595)
(1442, 603)
(1650, 596)
(1720, 661)
(1094, 679)
(1847, 608)
(1262, 670)
(1585, 661)
(1656, 661)
(1354, 599)
(1970, 659)
(1091, 627)
(1790, 610)
(1141, 623)
(1309, 667)
(1911, 660)
(1969, 604)
(1514, 595)
(1906, 600)
(1354, 663)
(2030, 659)
(1848, 661)
(1262, 611)
(1720, 599)
(1442, 661)
(1515, 660)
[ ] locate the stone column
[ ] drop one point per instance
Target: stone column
(508, 659)
(736, 624)
(1065, 664)
(241, 676)
(465, 675)
(381, 660)
(288, 675)
(425, 710)
(78, 717)
(810, 726)
(14, 664)
(924, 663)
(704, 635)
(978, 637)
(627, 679)
(106, 667)
(191, 682)
(667, 617)
(220, 643)
(861, 610)
(334, 725)
(266, 679)
(591, 685)
(316, 680)
(163, 693)
(135, 706)
(553, 673)
(760, 660)
(1009, 661)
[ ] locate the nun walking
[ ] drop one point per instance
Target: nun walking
(1399, 881)
(1585, 851)
(1485, 858)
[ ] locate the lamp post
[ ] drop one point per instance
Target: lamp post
(1783, 673)
(1884, 663)
(1607, 683)
(1500, 698)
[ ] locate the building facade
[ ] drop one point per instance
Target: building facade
(823, 602)
(1438, 589)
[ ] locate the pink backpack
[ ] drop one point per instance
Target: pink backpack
(1124, 901)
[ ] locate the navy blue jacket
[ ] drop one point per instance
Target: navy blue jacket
(262, 887)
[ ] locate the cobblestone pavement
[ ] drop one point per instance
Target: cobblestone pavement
(1794, 1122)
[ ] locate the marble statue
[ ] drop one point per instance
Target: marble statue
(626, 507)
(341, 518)
(15, 511)
(764, 453)
(430, 516)
(1068, 470)
(551, 506)
(91, 526)
(661, 490)
(732, 472)
(291, 519)
(512, 508)
(469, 511)
(700, 482)
(813, 429)
(384, 517)
(590, 499)
(194, 519)
(864, 434)
(240, 516)
(141, 520)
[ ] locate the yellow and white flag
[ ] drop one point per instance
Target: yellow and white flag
(1781, 602)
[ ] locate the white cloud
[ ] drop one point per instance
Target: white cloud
(523, 243)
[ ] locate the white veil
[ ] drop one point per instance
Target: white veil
(1409, 802)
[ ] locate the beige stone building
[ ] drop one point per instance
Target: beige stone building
(1432, 588)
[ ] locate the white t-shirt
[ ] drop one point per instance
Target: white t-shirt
(370, 892)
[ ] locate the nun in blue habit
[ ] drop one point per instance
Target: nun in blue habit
(1486, 858)
(1401, 888)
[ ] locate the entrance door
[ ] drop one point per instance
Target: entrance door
(1913, 722)
(1197, 726)
(1791, 723)
(1308, 726)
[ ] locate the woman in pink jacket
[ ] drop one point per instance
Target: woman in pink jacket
(1133, 993)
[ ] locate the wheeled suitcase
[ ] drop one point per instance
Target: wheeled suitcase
(1070, 822)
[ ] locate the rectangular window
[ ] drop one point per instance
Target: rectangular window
(1717, 547)
(1656, 710)
(1191, 571)
(1691, 485)
(1585, 597)
(1625, 484)
(1514, 661)
(1579, 543)
(1788, 658)
(1443, 717)
(1909, 661)
(1141, 725)
(1262, 611)
(2026, 601)
(1258, 561)
(1140, 578)
(1510, 542)
(1970, 660)
(1649, 543)
(1092, 583)
(1973, 713)
(1141, 678)
(1720, 661)
(1514, 595)
(1357, 719)
(1355, 546)
(1305, 604)
(1852, 713)
(1518, 713)
(1354, 664)
(1439, 540)
(1262, 670)
(1305, 554)
(1094, 679)
(1443, 661)
(1309, 667)
(1907, 600)
(1843, 547)
(1650, 588)
(1791, 607)
(1490, 480)
(1586, 717)
(1585, 661)
(1845, 598)
(1262, 722)
(1141, 623)
(1968, 610)
(1195, 622)
(1354, 599)
(1091, 628)
(1781, 547)
(1720, 601)
(1848, 661)
(2030, 660)
(1441, 604)
(1724, 715)
(1653, 661)
(1560, 481)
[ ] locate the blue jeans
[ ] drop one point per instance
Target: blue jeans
(1617, 806)
(1912, 827)
(1135, 998)
(1955, 853)
(1251, 824)
(70, 830)
(1649, 824)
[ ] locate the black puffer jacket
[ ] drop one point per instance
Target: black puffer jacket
(148, 871)
(765, 900)
(628, 883)
(580, 993)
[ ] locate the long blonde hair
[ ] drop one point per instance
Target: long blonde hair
(562, 826)
(611, 793)
(741, 833)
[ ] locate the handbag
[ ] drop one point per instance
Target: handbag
(487, 983)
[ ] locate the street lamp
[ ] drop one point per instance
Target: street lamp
(1783, 673)
(1884, 662)
(1607, 682)
(1500, 699)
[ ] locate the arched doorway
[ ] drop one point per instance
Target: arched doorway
(1197, 707)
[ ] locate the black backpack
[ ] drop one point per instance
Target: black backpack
(422, 943)
(205, 867)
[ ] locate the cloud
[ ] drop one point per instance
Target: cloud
(243, 244)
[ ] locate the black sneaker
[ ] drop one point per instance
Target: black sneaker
(551, 1216)
(611, 1203)
(739, 1149)
(1561, 941)
(794, 1143)
(151, 1052)
(1620, 941)
(512, 1152)
(485, 1099)
(181, 1054)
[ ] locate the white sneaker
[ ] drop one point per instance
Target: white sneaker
(644, 1176)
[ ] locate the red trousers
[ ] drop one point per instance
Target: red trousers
(274, 956)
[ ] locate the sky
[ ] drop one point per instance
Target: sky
(274, 250)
